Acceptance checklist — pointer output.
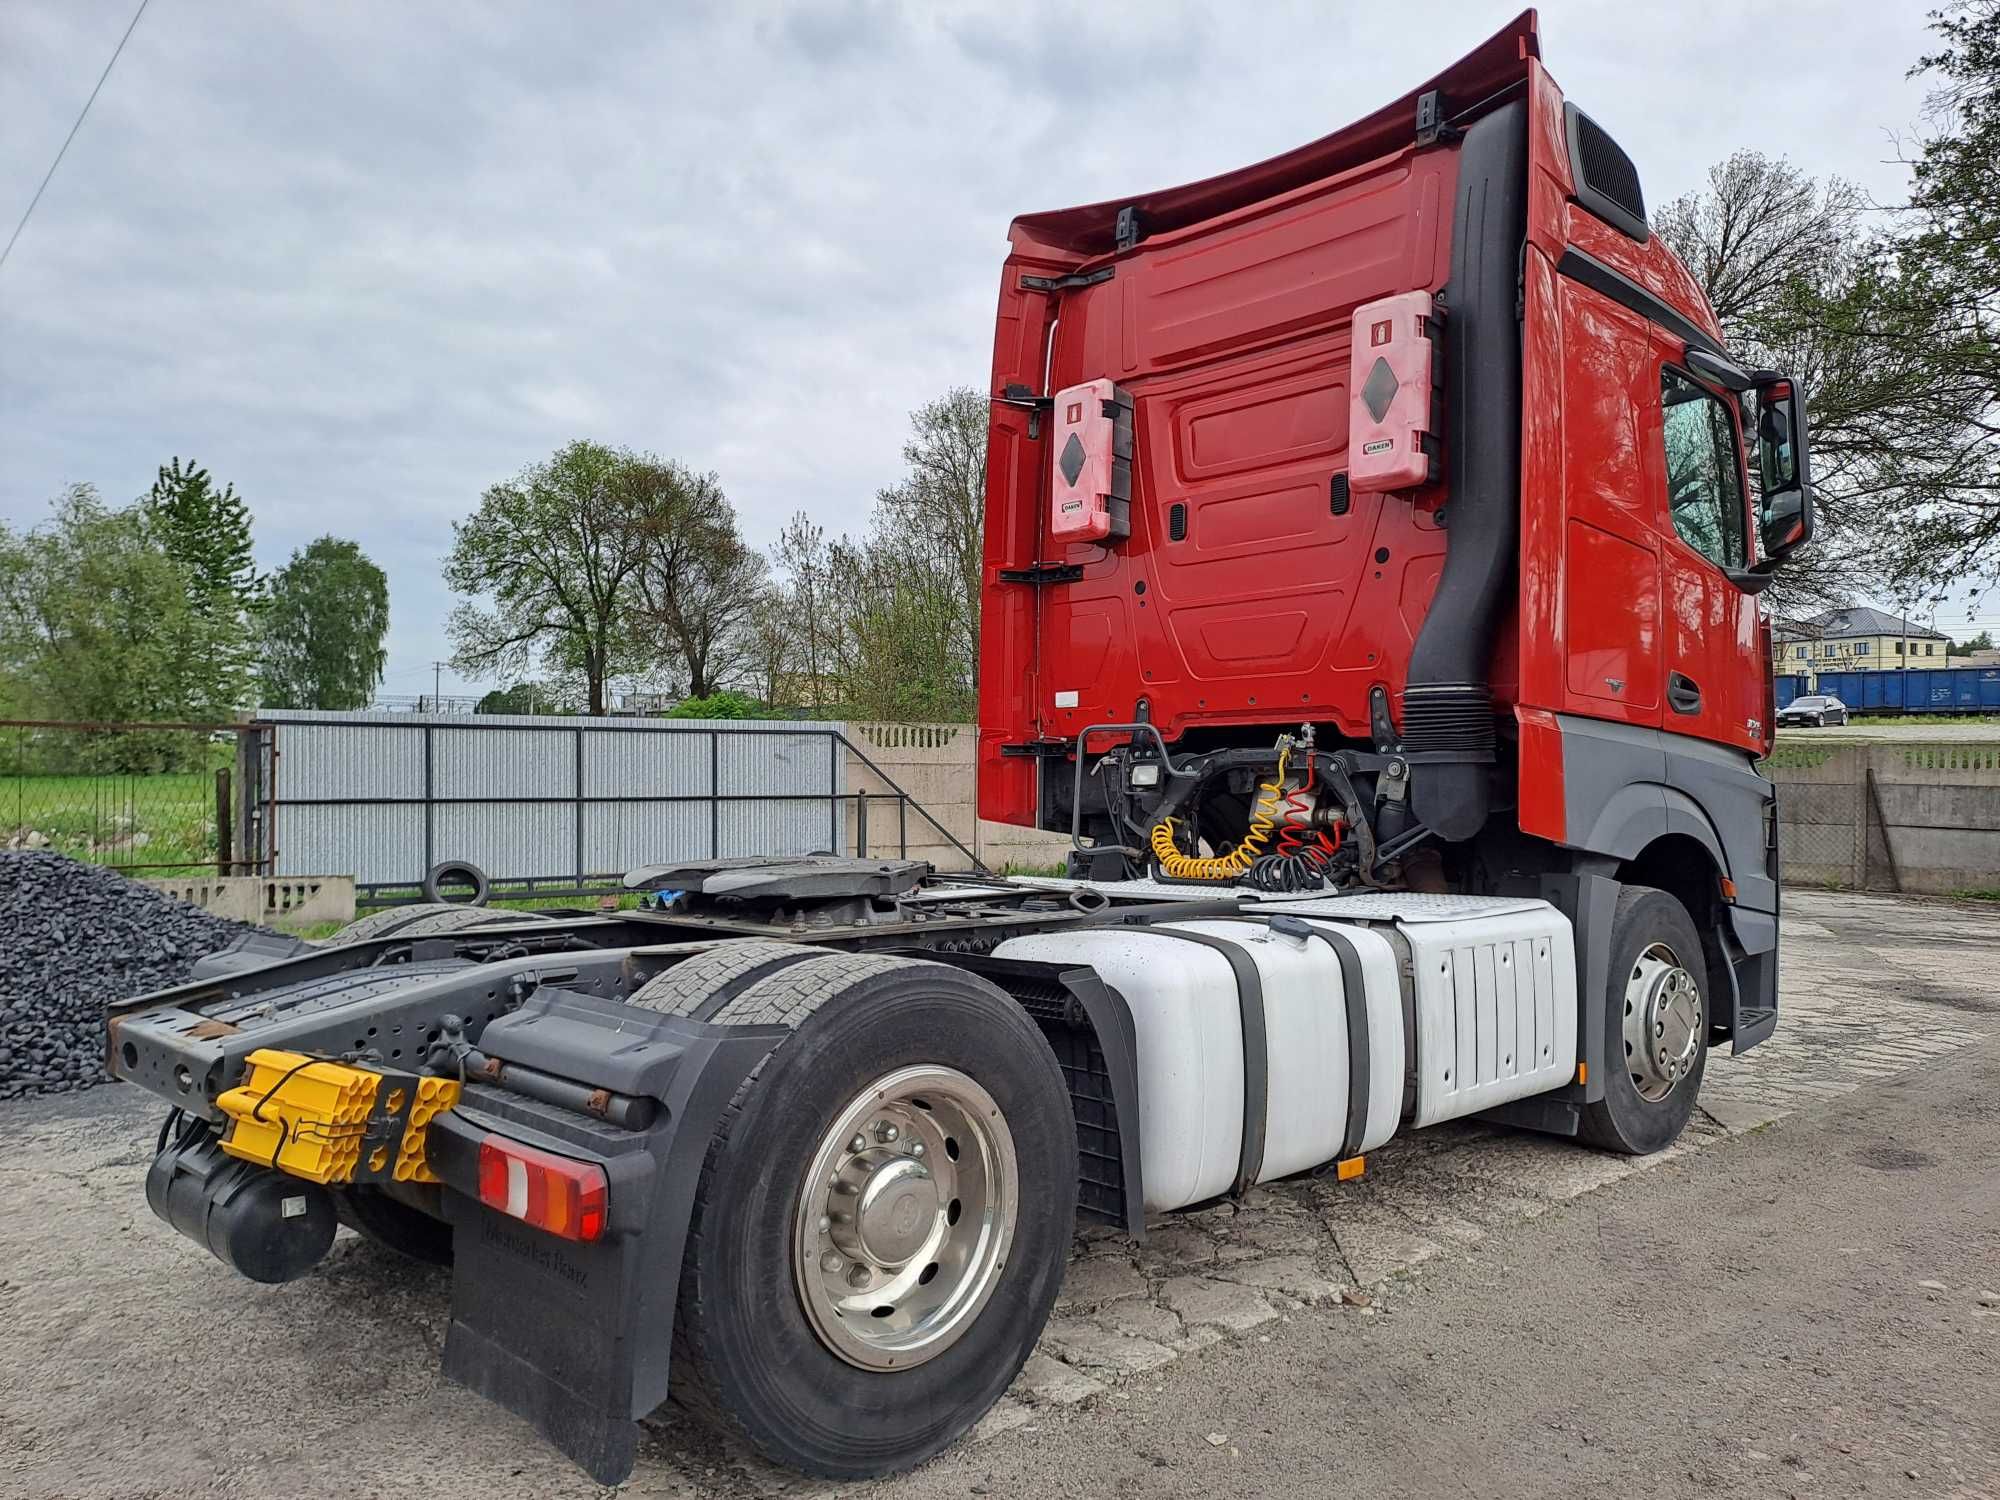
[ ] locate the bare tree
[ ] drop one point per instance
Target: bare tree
(1760, 226)
(802, 556)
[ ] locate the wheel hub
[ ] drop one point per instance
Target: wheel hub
(904, 1217)
(895, 1206)
(1663, 1021)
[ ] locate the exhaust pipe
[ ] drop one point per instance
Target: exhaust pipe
(264, 1224)
(1447, 730)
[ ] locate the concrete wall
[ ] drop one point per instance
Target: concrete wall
(935, 764)
(1900, 816)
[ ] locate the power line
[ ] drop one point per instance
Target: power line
(64, 150)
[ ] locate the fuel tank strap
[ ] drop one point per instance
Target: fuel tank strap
(1256, 1045)
(1355, 1005)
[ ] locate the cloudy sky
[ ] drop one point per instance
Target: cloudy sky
(364, 259)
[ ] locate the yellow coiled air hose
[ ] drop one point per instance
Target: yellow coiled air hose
(1263, 818)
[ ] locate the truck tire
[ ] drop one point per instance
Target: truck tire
(456, 869)
(701, 985)
(962, 1201)
(373, 1214)
(427, 919)
(1655, 1026)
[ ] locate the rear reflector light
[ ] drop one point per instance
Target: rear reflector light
(551, 1192)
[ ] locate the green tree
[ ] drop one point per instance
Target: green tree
(206, 531)
(697, 584)
(887, 624)
(1941, 285)
(553, 550)
(728, 704)
(322, 629)
(95, 622)
(521, 698)
(932, 523)
(1981, 642)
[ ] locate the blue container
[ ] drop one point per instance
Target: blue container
(1950, 690)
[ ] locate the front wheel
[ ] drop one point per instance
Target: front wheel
(883, 1217)
(1655, 1026)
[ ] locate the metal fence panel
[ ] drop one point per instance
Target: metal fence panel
(771, 827)
(510, 840)
(389, 795)
(617, 762)
(359, 761)
(502, 763)
(622, 836)
(370, 842)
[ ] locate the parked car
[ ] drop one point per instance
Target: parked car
(1816, 711)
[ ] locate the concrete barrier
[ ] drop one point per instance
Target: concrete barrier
(269, 901)
(1889, 817)
(936, 764)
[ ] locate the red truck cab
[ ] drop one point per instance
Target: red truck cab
(1530, 658)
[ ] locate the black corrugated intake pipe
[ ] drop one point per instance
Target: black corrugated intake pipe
(1447, 729)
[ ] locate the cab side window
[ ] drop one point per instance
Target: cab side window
(1704, 472)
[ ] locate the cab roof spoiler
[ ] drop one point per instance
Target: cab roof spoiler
(1483, 79)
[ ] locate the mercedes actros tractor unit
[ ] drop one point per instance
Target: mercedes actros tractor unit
(1373, 538)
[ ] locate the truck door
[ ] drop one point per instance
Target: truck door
(1714, 686)
(1611, 611)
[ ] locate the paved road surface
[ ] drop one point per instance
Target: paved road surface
(1485, 1314)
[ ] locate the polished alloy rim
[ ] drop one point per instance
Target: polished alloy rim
(905, 1218)
(1662, 1022)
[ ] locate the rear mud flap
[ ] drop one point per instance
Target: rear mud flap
(575, 1337)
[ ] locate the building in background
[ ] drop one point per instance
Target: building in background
(1858, 639)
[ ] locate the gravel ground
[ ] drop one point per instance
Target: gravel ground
(73, 936)
(1787, 1302)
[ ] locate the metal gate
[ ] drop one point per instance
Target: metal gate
(547, 804)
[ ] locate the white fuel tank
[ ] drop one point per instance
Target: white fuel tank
(1186, 984)
(1324, 1014)
(1492, 990)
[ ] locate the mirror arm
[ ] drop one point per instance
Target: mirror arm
(1754, 579)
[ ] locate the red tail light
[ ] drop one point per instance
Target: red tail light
(564, 1197)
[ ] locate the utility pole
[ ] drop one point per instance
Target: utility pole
(437, 684)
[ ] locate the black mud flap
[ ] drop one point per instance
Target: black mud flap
(576, 1337)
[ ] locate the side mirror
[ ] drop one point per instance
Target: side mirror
(1785, 516)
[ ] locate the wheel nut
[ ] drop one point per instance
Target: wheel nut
(917, 1149)
(887, 1133)
(858, 1276)
(859, 1143)
(825, 1223)
(830, 1261)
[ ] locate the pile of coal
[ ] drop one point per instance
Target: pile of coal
(74, 937)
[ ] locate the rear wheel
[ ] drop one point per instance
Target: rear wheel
(883, 1216)
(428, 919)
(1655, 1026)
(395, 1225)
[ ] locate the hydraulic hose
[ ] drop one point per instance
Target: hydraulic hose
(1263, 818)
